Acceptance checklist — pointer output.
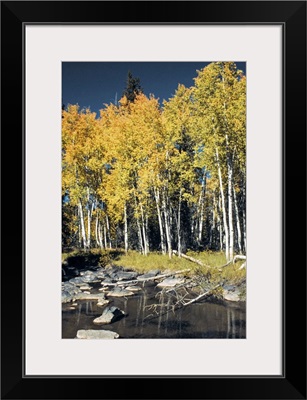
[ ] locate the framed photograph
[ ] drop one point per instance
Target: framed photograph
(162, 150)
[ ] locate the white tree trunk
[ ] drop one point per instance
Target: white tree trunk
(239, 241)
(105, 236)
(108, 232)
(96, 231)
(125, 229)
(201, 207)
(147, 230)
(212, 230)
(141, 246)
(144, 231)
(88, 220)
(167, 226)
(230, 216)
(244, 230)
(79, 228)
(162, 239)
(220, 223)
(223, 206)
(83, 234)
(140, 235)
(100, 235)
(179, 224)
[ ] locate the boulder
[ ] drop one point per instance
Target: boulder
(96, 334)
(109, 315)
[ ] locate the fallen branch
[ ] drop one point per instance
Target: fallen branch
(243, 266)
(239, 257)
(194, 260)
(201, 296)
(188, 284)
(178, 305)
(225, 265)
(236, 258)
(153, 278)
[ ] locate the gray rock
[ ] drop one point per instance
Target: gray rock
(154, 272)
(87, 272)
(150, 274)
(73, 291)
(231, 296)
(89, 296)
(170, 282)
(104, 289)
(69, 289)
(85, 286)
(119, 292)
(112, 275)
(89, 278)
(112, 270)
(107, 280)
(96, 334)
(229, 287)
(133, 288)
(100, 274)
(66, 297)
(77, 281)
(102, 302)
(109, 315)
(124, 275)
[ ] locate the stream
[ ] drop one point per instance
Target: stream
(225, 320)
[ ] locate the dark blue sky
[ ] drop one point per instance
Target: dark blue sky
(91, 84)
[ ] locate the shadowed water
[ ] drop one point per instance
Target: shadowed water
(199, 320)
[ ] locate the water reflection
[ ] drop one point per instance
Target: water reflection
(200, 320)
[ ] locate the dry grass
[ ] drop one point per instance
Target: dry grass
(140, 263)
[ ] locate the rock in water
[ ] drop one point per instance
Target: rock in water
(133, 288)
(96, 334)
(89, 296)
(231, 296)
(102, 302)
(170, 282)
(120, 292)
(66, 297)
(148, 275)
(125, 275)
(109, 315)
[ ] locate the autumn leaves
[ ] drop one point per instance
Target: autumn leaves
(148, 177)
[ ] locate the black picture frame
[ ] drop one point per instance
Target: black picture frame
(292, 16)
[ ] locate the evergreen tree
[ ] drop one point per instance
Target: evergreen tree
(133, 87)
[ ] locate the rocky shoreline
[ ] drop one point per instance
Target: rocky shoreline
(102, 284)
